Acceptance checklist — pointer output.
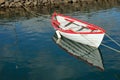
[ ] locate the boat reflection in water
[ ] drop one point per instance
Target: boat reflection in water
(84, 52)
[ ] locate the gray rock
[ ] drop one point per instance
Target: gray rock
(7, 4)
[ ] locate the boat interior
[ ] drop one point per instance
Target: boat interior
(69, 24)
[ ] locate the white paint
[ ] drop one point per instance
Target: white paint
(88, 39)
(58, 34)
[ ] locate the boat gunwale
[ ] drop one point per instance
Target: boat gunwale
(102, 31)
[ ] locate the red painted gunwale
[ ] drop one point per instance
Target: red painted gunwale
(55, 24)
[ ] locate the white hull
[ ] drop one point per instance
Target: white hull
(88, 39)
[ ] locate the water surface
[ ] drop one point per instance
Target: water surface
(28, 52)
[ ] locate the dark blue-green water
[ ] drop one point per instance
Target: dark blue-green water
(28, 52)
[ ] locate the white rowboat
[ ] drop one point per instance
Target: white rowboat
(77, 30)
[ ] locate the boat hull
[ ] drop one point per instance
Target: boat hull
(77, 30)
(88, 39)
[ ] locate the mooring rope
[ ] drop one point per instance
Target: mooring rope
(113, 40)
(116, 50)
(30, 11)
(110, 48)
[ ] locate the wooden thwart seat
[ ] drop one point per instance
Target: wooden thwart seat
(67, 24)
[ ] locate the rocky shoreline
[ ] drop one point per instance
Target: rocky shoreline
(47, 8)
(34, 3)
(30, 3)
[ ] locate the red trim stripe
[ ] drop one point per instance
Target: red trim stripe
(56, 24)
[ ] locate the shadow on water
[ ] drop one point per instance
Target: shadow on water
(86, 53)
